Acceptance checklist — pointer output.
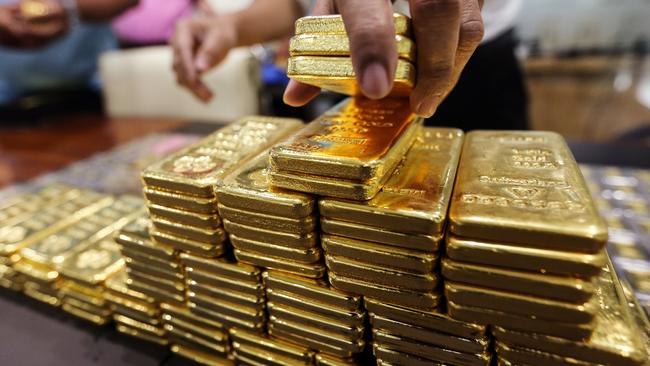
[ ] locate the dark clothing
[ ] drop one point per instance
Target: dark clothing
(490, 93)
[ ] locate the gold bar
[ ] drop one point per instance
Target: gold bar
(221, 267)
(391, 295)
(166, 273)
(527, 187)
(146, 311)
(209, 334)
(426, 243)
(183, 313)
(315, 290)
(71, 289)
(177, 335)
(316, 320)
(36, 293)
(140, 242)
(316, 338)
(202, 290)
(416, 197)
(248, 189)
(306, 256)
(207, 278)
(260, 356)
(198, 169)
(429, 337)
(315, 270)
(542, 261)
(326, 360)
(206, 206)
(200, 357)
(192, 246)
(388, 357)
(351, 318)
(117, 284)
(208, 236)
(84, 315)
(18, 208)
(271, 345)
(141, 335)
(301, 225)
(104, 311)
(206, 221)
(95, 264)
(244, 312)
(339, 45)
(156, 293)
(157, 282)
(36, 272)
(254, 326)
(294, 240)
(568, 289)
(170, 265)
(333, 24)
(358, 139)
(331, 187)
(381, 255)
(520, 356)
(380, 275)
(430, 352)
(522, 305)
(143, 327)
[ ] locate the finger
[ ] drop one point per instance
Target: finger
(471, 35)
(213, 50)
(298, 94)
(183, 45)
(370, 27)
(436, 26)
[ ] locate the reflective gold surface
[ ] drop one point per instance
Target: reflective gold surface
(154, 269)
(36, 272)
(133, 332)
(391, 295)
(197, 169)
(271, 345)
(562, 288)
(301, 225)
(327, 360)
(156, 293)
(248, 188)
(524, 305)
(358, 139)
(331, 187)
(313, 319)
(379, 254)
(224, 282)
(95, 264)
(117, 284)
(334, 24)
(200, 357)
(429, 352)
(191, 246)
(222, 267)
(530, 259)
(230, 321)
(134, 258)
(316, 270)
(339, 45)
(157, 282)
(208, 221)
(420, 242)
(526, 187)
(87, 316)
(87, 307)
(227, 307)
(208, 236)
(416, 197)
(250, 354)
(519, 356)
(306, 256)
(243, 299)
(294, 240)
(388, 357)
(381, 276)
(199, 205)
(210, 335)
(178, 335)
(183, 313)
(433, 320)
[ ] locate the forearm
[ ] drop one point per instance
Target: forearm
(266, 20)
(101, 10)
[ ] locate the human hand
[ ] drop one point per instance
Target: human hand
(446, 33)
(198, 45)
(32, 24)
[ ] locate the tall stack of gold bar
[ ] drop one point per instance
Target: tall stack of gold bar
(310, 313)
(320, 55)
(181, 189)
(270, 227)
(348, 152)
(42, 260)
(525, 243)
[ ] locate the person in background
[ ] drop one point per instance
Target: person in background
(49, 45)
(447, 34)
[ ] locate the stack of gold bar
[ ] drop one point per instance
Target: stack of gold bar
(526, 242)
(387, 248)
(153, 269)
(310, 313)
(134, 313)
(84, 276)
(348, 152)
(255, 349)
(15, 211)
(195, 337)
(181, 189)
(320, 55)
(404, 336)
(270, 227)
(225, 292)
(42, 240)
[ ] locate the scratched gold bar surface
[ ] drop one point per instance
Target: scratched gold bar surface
(358, 139)
(416, 197)
(524, 188)
(197, 169)
(302, 225)
(337, 74)
(248, 188)
(339, 45)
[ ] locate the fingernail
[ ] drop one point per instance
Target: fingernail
(374, 81)
(428, 107)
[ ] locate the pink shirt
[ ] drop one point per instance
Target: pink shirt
(152, 21)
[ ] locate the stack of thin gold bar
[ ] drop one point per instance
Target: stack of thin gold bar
(181, 189)
(348, 152)
(153, 269)
(310, 313)
(256, 349)
(134, 313)
(270, 227)
(387, 248)
(226, 292)
(320, 55)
